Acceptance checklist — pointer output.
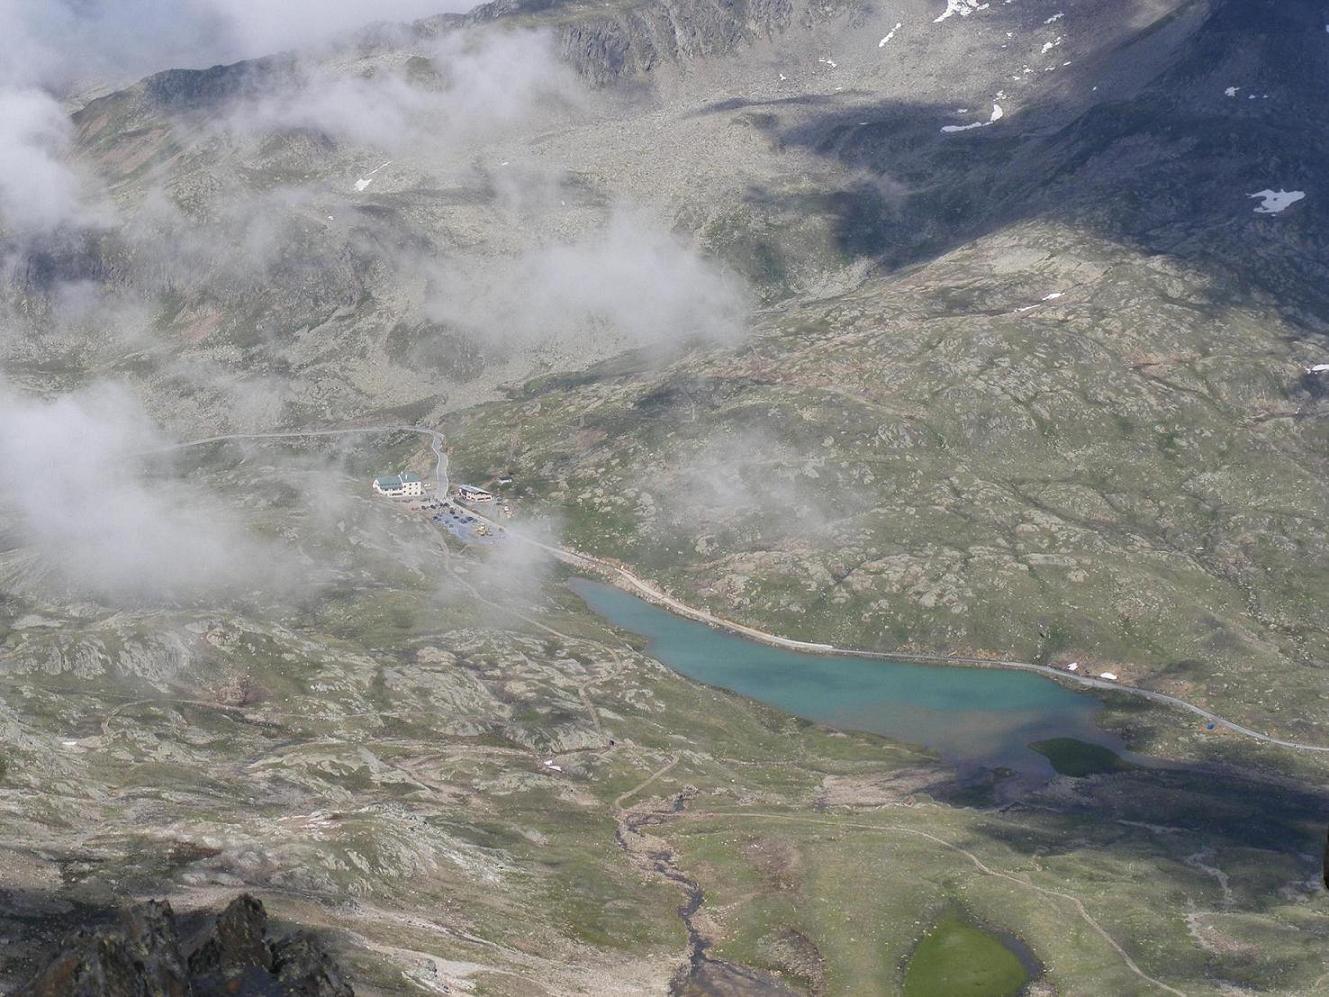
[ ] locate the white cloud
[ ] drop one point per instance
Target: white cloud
(51, 48)
(633, 278)
(485, 84)
(74, 484)
(38, 190)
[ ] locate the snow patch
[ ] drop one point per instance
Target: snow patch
(962, 7)
(828, 62)
(889, 35)
(364, 181)
(1047, 297)
(1049, 46)
(997, 114)
(1231, 91)
(1274, 201)
(1055, 17)
(1318, 368)
(1110, 676)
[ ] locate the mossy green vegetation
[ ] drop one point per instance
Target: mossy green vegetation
(1073, 757)
(956, 959)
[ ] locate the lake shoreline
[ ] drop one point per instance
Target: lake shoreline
(625, 581)
(980, 720)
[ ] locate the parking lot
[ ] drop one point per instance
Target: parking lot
(464, 525)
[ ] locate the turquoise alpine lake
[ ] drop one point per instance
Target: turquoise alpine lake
(974, 717)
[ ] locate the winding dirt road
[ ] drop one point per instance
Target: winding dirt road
(981, 866)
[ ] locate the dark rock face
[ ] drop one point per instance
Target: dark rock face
(303, 966)
(143, 957)
(195, 89)
(1325, 866)
(235, 951)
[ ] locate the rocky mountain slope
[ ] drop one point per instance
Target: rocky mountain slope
(1072, 412)
(444, 768)
(346, 231)
(938, 326)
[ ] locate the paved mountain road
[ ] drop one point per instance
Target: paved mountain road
(436, 443)
(654, 594)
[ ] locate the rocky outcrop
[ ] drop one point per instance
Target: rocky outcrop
(234, 956)
(143, 956)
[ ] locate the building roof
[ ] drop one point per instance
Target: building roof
(389, 482)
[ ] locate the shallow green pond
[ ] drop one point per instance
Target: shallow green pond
(956, 959)
(978, 716)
